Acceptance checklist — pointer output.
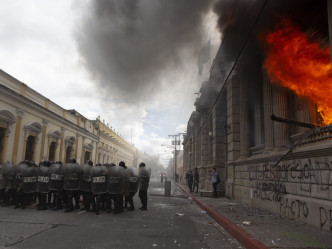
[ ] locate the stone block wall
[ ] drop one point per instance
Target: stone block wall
(300, 189)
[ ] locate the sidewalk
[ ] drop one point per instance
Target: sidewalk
(258, 228)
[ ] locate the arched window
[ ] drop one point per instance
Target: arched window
(87, 156)
(68, 153)
(7, 119)
(2, 143)
(30, 148)
(51, 156)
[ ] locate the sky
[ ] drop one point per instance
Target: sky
(134, 63)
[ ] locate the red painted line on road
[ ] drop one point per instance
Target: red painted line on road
(237, 232)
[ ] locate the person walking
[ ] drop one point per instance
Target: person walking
(190, 181)
(215, 180)
(196, 180)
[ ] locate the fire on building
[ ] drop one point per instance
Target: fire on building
(274, 60)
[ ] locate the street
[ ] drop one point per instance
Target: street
(169, 222)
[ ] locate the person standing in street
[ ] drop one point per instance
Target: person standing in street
(196, 180)
(190, 180)
(144, 175)
(215, 180)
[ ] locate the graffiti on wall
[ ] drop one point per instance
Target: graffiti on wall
(325, 217)
(310, 178)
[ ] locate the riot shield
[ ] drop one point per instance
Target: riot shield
(99, 179)
(114, 184)
(29, 179)
(56, 177)
(9, 175)
(85, 178)
(43, 179)
(126, 181)
(134, 179)
(144, 175)
(18, 169)
(71, 174)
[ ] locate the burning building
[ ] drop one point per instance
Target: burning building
(274, 61)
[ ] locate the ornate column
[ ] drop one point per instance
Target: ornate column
(82, 152)
(268, 108)
(5, 142)
(76, 145)
(204, 133)
(61, 143)
(97, 151)
(244, 122)
(45, 123)
(20, 113)
(280, 109)
(26, 135)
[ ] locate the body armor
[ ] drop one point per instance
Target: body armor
(85, 178)
(98, 179)
(56, 177)
(43, 179)
(144, 175)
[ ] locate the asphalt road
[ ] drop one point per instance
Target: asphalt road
(170, 222)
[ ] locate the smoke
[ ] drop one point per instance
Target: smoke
(131, 46)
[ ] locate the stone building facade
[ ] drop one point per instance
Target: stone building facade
(282, 167)
(33, 127)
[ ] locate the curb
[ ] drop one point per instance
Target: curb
(237, 232)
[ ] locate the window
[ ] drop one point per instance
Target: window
(86, 156)
(51, 156)
(68, 153)
(2, 143)
(30, 148)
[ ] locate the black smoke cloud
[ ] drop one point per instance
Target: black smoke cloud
(129, 45)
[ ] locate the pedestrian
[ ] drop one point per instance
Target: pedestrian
(215, 180)
(196, 180)
(187, 177)
(161, 177)
(190, 180)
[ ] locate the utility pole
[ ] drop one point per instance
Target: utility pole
(176, 140)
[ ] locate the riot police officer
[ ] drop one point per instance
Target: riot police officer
(56, 183)
(71, 184)
(98, 184)
(85, 185)
(144, 174)
(9, 174)
(133, 186)
(42, 184)
(29, 182)
(114, 186)
(124, 185)
(109, 197)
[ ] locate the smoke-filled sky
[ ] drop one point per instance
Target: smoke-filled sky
(134, 63)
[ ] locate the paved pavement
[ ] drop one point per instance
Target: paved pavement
(174, 221)
(264, 229)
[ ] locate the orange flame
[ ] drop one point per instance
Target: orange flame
(300, 65)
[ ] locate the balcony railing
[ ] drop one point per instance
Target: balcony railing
(318, 135)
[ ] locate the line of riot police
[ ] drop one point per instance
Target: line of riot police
(58, 186)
